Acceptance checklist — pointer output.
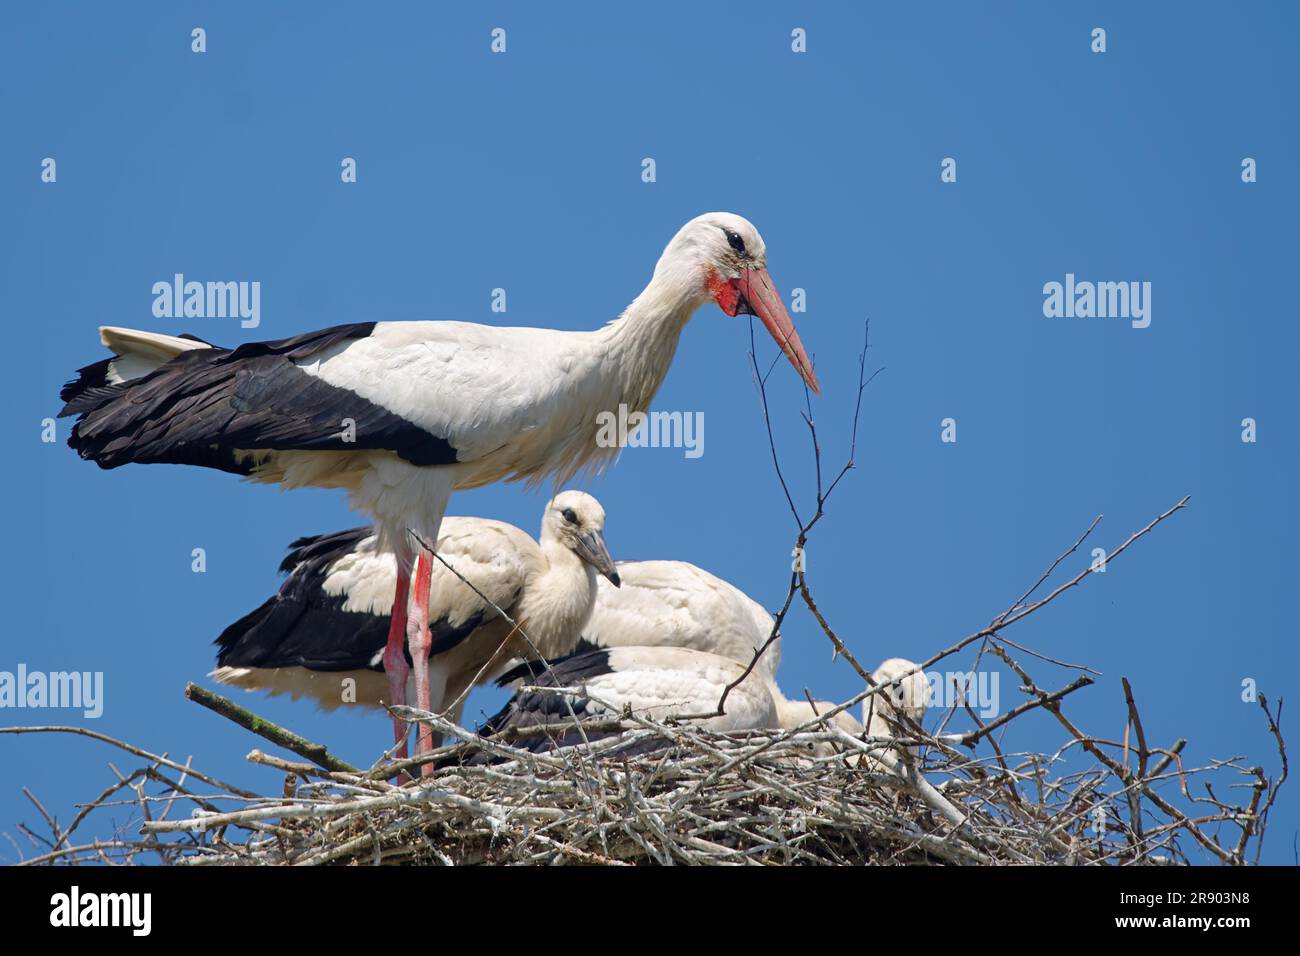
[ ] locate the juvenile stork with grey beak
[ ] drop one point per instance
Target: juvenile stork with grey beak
(323, 635)
(401, 414)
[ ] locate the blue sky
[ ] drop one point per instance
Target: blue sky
(523, 171)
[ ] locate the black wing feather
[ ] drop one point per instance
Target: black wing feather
(304, 626)
(203, 405)
(536, 709)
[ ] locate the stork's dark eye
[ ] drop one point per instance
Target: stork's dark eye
(735, 241)
(569, 516)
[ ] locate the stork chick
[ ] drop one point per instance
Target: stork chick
(328, 624)
(906, 692)
(677, 604)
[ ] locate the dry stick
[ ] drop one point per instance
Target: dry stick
(1134, 798)
(1007, 621)
(1008, 841)
(1065, 818)
(1009, 778)
(89, 808)
(1050, 660)
(1019, 602)
(598, 725)
(761, 380)
(59, 835)
(577, 754)
(1170, 756)
(1004, 619)
(288, 766)
(177, 790)
(129, 748)
(180, 784)
(932, 797)
(35, 838)
(316, 753)
(970, 739)
(1249, 818)
(508, 735)
(801, 577)
(398, 798)
(1275, 728)
(797, 579)
(839, 645)
(557, 761)
(1116, 767)
(355, 781)
(97, 845)
(797, 582)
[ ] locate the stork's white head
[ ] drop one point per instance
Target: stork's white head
(722, 257)
(906, 695)
(575, 520)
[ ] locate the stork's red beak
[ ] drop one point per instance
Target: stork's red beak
(758, 297)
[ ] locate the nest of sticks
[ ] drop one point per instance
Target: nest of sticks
(811, 795)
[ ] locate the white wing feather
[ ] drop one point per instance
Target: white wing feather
(478, 386)
(673, 603)
(496, 557)
(662, 682)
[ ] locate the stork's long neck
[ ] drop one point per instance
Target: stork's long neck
(790, 713)
(558, 600)
(624, 364)
(795, 713)
(642, 341)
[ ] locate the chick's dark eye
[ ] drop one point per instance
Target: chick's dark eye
(735, 241)
(569, 516)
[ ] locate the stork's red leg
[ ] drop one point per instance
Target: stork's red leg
(418, 640)
(394, 657)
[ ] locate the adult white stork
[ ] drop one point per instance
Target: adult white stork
(401, 414)
(329, 621)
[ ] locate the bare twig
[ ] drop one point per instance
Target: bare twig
(316, 753)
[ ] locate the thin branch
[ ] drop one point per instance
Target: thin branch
(316, 753)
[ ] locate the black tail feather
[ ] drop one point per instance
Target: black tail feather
(89, 390)
(207, 406)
